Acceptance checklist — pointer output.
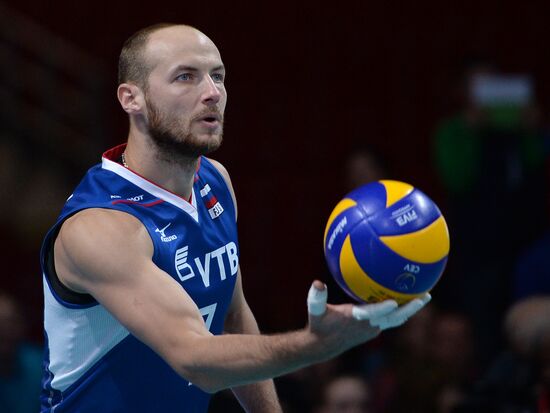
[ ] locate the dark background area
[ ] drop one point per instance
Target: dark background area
(306, 83)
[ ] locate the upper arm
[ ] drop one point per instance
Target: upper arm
(108, 254)
(221, 169)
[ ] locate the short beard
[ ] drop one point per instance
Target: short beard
(174, 143)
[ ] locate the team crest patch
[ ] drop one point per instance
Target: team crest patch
(215, 209)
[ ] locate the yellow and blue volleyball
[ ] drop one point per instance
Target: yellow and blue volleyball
(386, 239)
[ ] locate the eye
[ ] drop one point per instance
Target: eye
(218, 77)
(184, 76)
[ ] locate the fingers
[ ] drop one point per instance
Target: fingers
(373, 311)
(384, 315)
(411, 308)
(401, 314)
(317, 299)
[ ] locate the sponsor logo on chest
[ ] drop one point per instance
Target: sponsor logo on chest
(224, 259)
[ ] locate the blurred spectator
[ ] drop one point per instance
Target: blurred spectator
(519, 379)
(406, 351)
(20, 363)
(490, 140)
(431, 365)
(346, 394)
(457, 143)
(452, 354)
(299, 391)
(451, 332)
(488, 157)
(531, 272)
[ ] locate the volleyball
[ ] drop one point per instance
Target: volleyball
(386, 240)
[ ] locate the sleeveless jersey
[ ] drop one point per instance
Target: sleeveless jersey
(91, 362)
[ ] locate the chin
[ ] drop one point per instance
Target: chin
(210, 140)
(201, 147)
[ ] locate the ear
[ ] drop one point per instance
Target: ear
(130, 98)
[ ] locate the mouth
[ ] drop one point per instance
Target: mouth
(211, 119)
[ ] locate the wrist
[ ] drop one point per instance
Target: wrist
(316, 349)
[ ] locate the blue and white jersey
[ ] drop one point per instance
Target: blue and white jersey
(92, 363)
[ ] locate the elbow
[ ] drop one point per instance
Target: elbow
(200, 378)
(197, 373)
(196, 366)
(208, 387)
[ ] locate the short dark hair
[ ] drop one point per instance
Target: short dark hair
(132, 66)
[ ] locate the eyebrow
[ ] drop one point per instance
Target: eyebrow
(194, 69)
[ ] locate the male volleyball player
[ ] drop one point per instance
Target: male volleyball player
(142, 268)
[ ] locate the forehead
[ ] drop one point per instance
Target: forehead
(181, 45)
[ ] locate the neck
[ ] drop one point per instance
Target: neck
(144, 158)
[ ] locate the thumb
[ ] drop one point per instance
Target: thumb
(317, 299)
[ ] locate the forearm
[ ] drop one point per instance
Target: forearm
(219, 362)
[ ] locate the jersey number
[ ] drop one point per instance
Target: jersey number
(208, 313)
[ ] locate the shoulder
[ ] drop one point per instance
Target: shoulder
(220, 168)
(95, 241)
(101, 223)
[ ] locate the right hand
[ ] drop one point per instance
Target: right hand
(340, 327)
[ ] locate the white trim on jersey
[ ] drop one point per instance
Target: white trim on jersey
(98, 332)
(155, 190)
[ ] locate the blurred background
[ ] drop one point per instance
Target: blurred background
(452, 98)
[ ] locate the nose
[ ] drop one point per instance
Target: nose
(212, 93)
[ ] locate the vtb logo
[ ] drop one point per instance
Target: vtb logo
(185, 271)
